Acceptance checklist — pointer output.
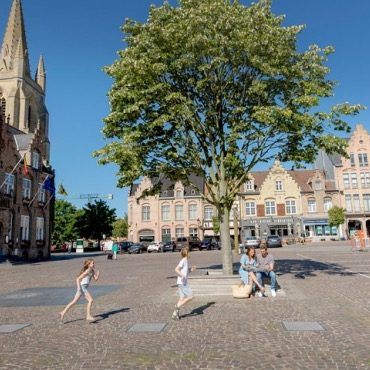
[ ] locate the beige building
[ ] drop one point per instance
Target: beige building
(288, 203)
(176, 211)
(25, 206)
(352, 176)
(274, 202)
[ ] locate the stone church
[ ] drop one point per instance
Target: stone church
(26, 176)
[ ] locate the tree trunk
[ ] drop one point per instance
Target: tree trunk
(227, 257)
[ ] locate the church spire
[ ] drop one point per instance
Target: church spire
(40, 76)
(14, 51)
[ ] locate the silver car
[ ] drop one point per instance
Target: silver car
(252, 241)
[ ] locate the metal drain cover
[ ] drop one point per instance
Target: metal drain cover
(149, 327)
(11, 328)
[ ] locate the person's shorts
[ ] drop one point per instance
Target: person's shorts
(184, 291)
(84, 288)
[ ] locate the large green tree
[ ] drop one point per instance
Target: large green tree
(64, 223)
(96, 220)
(337, 216)
(120, 227)
(213, 87)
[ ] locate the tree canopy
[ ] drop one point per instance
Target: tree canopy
(95, 220)
(64, 223)
(336, 216)
(213, 87)
(120, 227)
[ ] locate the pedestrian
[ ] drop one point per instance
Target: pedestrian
(83, 280)
(248, 267)
(115, 250)
(265, 268)
(184, 290)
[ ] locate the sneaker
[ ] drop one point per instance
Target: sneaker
(175, 315)
(273, 292)
(261, 295)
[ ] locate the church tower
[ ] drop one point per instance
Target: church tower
(22, 98)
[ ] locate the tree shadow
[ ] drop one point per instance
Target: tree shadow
(106, 315)
(300, 269)
(199, 310)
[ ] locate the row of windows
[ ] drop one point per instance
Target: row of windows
(290, 206)
(26, 188)
(25, 228)
(350, 180)
(353, 203)
(362, 159)
(279, 185)
(179, 212)
(179, 231)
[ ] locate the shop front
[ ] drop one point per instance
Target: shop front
(261, 227)
(320, 228)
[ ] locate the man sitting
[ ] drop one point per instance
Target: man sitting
(265, 268)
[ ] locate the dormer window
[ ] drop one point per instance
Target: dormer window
(178, 194)
(249, 185)
(165, 193)
(318, 185)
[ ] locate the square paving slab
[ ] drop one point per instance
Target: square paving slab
(148, 327)
(11, 328)
(50, 296)
(302, 326)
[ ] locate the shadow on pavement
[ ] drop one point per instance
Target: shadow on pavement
(199, 310)
(300, 269)
(106, 315)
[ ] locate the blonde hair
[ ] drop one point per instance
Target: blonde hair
(184, 251)
(86, 265)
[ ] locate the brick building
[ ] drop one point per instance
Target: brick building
(25, 206)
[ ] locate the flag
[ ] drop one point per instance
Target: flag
(25, 166)
(61, 190)
(49, 186)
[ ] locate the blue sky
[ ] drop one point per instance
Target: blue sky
(79, 38)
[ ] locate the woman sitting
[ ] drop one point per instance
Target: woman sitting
(247, 268)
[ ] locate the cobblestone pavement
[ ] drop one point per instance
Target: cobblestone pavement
(328, 285)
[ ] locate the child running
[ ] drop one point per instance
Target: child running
(83, 280)
(184, 291)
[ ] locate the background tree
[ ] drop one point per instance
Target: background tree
(120, 227)
(212, 88)
(216, 224)
(64, 223)
(337, 216)
(95, 220)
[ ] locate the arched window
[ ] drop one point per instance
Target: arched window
(165, 212)
(270, 207)
(290, 207)
(179, 212)
(145, 212)
(192, 211)
(327, 204)
(311, 203)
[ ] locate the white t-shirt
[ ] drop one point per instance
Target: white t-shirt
(87, 279)
(184, 268)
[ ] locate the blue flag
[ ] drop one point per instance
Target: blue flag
(49, 186)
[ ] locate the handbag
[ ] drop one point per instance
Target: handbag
(243, 291)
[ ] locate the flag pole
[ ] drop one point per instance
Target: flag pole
(11, 173)
(38, 191)
(47, 203)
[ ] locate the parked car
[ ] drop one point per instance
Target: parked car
(209, 243)
(124, 246)
(188, 241)
(252, 241)
(273, 241)
(169, 246)
(155, 247)
(137, 248)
